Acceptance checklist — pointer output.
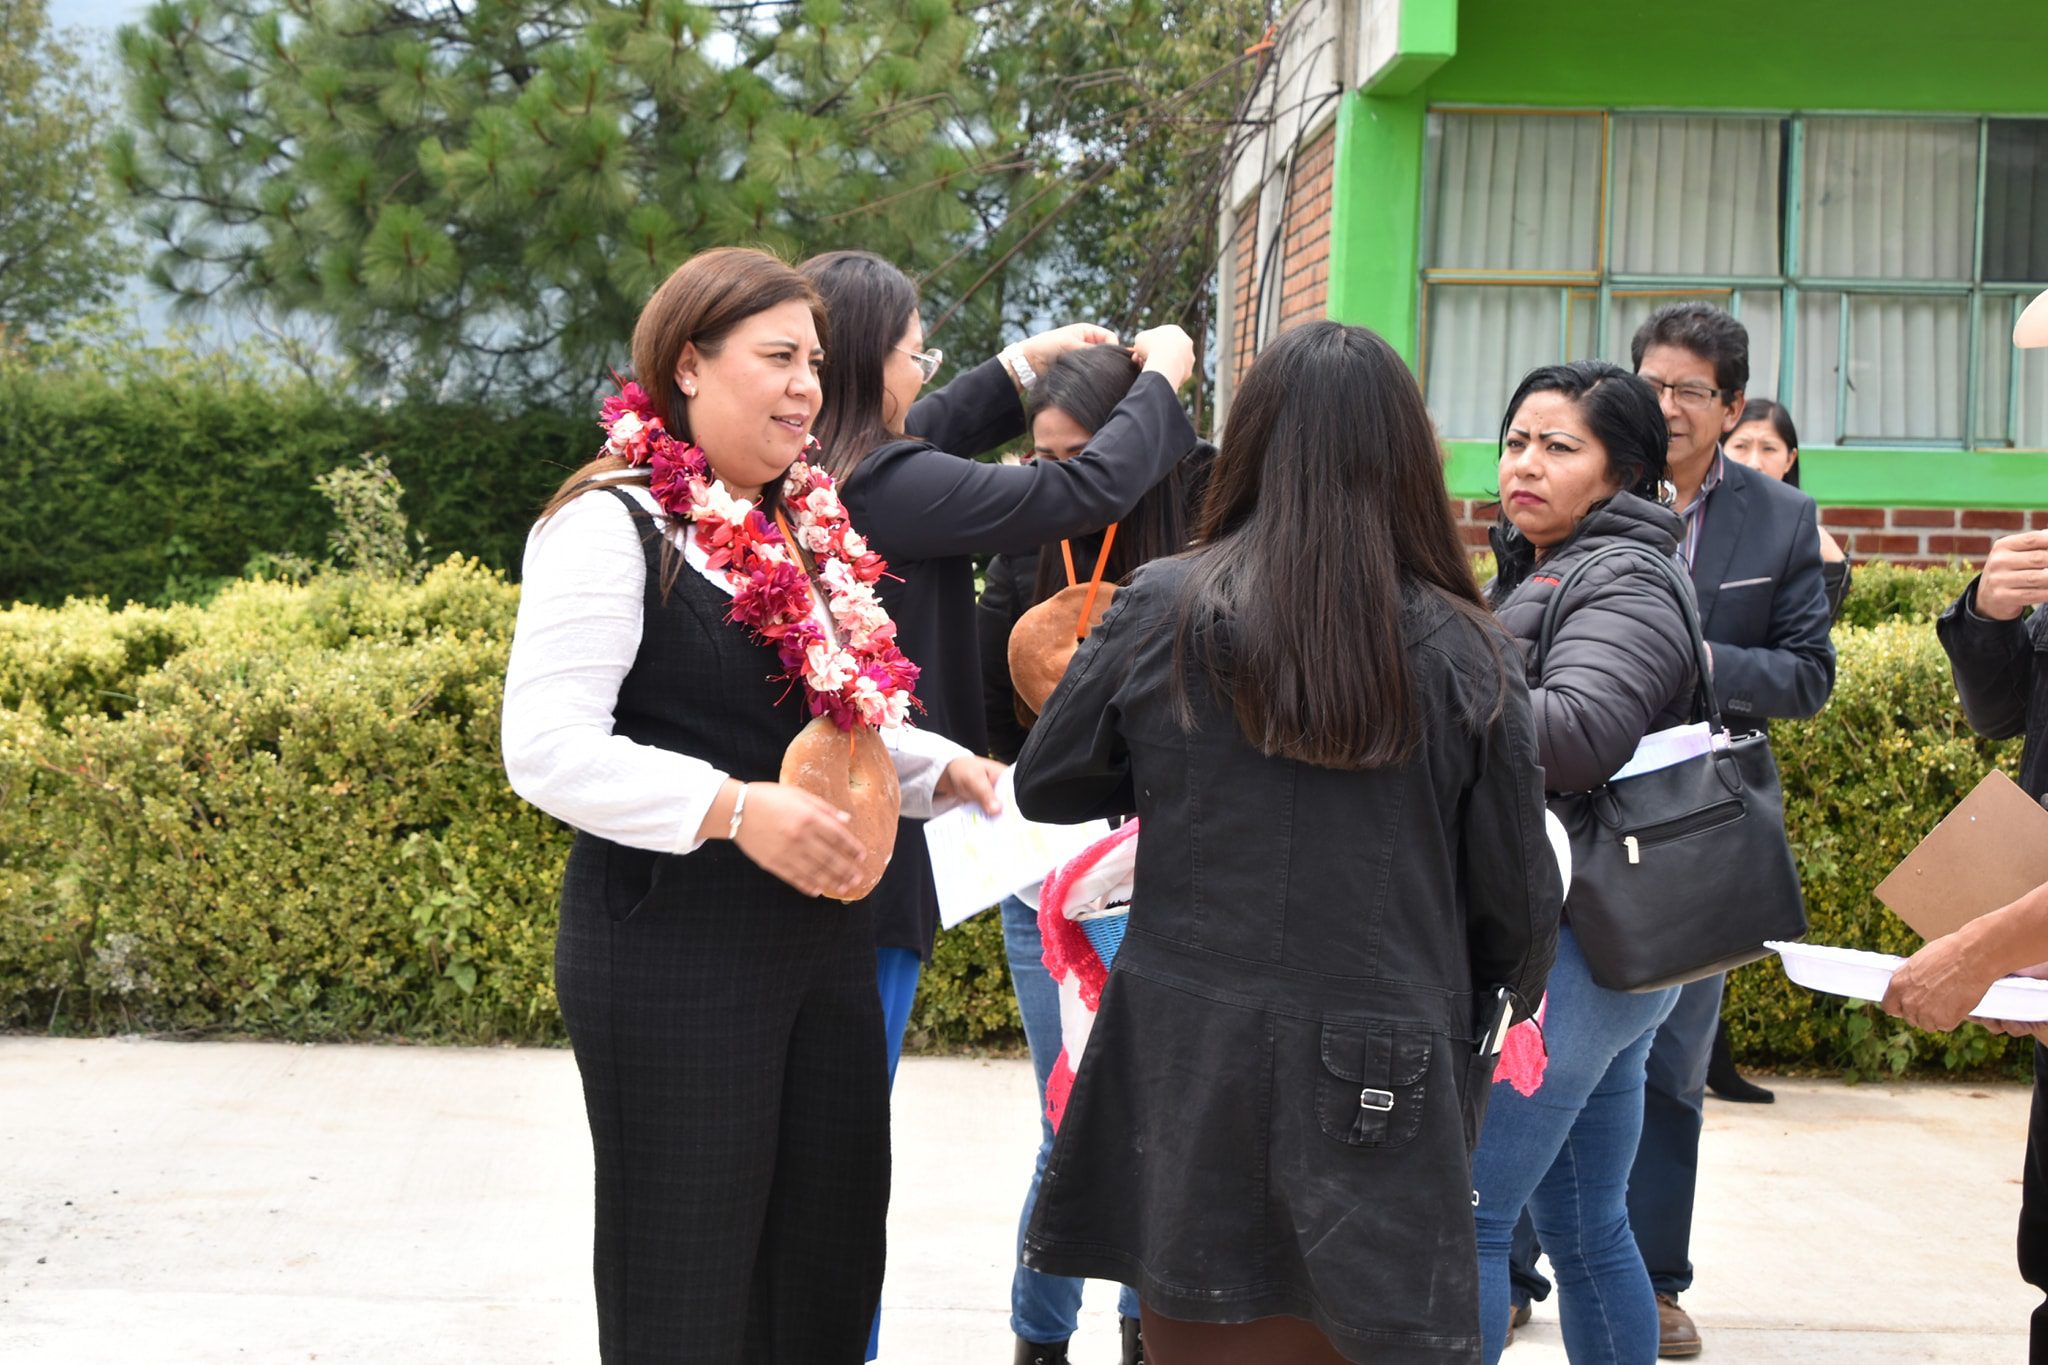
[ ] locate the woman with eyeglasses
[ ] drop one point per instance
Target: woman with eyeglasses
(907, 475)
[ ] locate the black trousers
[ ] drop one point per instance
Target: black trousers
(2033, 1239)
(737, 1090)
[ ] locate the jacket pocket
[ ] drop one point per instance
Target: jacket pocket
(1373, 1081)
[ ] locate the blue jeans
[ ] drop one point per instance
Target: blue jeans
(1043, 1308)
(897, 972)
(1565, 1154)
(1660, 1195)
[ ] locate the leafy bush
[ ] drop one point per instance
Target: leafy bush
(132, 484)
(284, 813)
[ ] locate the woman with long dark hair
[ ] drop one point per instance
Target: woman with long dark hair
(1072, 400)
(905, 470)
(1342, 869)
(722, 1009)
(1582, 466)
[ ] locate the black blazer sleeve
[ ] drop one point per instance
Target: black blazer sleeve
(1993, 665)
(977, 412)
(1075, 765)
(1793, 671)
(1004, 597)
(1513, 892)
(1620, 657)
(922, 503)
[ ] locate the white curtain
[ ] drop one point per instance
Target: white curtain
(1820, 359)
(1695, 196)
(2028, 428)
(1516, 192)
(1888, 199)
(1482, 340)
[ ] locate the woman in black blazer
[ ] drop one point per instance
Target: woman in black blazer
(1343, 862)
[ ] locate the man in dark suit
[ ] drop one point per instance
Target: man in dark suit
(1753, 548)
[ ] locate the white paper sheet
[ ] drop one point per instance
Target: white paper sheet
(976, 861)
(1663, 748)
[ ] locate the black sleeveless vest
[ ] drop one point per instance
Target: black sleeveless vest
(703, 686)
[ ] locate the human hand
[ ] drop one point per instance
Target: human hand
(1047, 347)
(2013, 1028)
(1167, 351)
(2015, 576)
(969, 778)
(1937, 987)
(801, 838)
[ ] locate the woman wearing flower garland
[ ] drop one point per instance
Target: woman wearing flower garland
(673, 640)
(899, 461)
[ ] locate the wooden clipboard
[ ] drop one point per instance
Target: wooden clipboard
(1987, 852)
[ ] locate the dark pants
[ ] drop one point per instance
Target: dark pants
(2033, 1240)
(1661, 1184)
(736, 1085)
(1660, 1188)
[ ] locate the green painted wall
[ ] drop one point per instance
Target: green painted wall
(1851, 478)
(1965, 56)
(1376, 213)
(1981, 56)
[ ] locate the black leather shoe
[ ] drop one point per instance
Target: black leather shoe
(1134, 1340)
(1728, 1083)
(1041, 1352)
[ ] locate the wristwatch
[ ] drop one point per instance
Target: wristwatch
(1019, 368)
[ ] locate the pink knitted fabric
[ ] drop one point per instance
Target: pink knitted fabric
(1523, 1056)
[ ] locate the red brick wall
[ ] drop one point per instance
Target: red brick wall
(1305, 254)
(1244, 303)
(1304, 258)
(1903, 535)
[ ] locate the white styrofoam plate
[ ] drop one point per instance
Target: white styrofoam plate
(1864, 976)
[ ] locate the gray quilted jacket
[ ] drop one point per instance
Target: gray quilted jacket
(1621, 662)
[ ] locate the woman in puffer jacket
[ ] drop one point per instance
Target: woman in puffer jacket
(1581, 463)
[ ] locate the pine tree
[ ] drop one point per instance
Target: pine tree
(479, 195)
(60, 254)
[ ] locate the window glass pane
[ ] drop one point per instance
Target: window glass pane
(2016, 200)
(1907, 360)
(1515, 192)
(2030, 419)
(1889, 199)
(1482, 340)
(1695, 196)
(1628, 309)
(1759, 310)
(1994, 369)
(1813, 402)
(1582, 313)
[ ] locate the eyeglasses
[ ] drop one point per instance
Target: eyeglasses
(928, 362)
(1688, 395)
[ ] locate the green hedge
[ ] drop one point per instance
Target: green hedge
(154, 491)
(283, 813)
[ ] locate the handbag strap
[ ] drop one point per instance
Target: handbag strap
(1094, 580)
(1705, 707)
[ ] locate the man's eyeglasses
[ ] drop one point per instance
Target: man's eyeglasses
(1688, 395)
(928, 362)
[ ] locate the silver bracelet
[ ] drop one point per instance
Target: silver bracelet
(1019, 367)
(739, 808)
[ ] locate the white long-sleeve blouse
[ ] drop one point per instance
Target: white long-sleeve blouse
(580, 618)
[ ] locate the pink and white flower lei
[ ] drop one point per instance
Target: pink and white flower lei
(858, 678)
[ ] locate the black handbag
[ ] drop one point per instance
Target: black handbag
(1684, 871)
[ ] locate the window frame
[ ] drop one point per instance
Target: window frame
(1606, 285)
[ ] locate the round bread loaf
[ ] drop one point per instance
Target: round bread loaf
(855, 773)
(1043, 641)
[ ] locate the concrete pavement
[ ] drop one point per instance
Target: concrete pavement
(194, 1203)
